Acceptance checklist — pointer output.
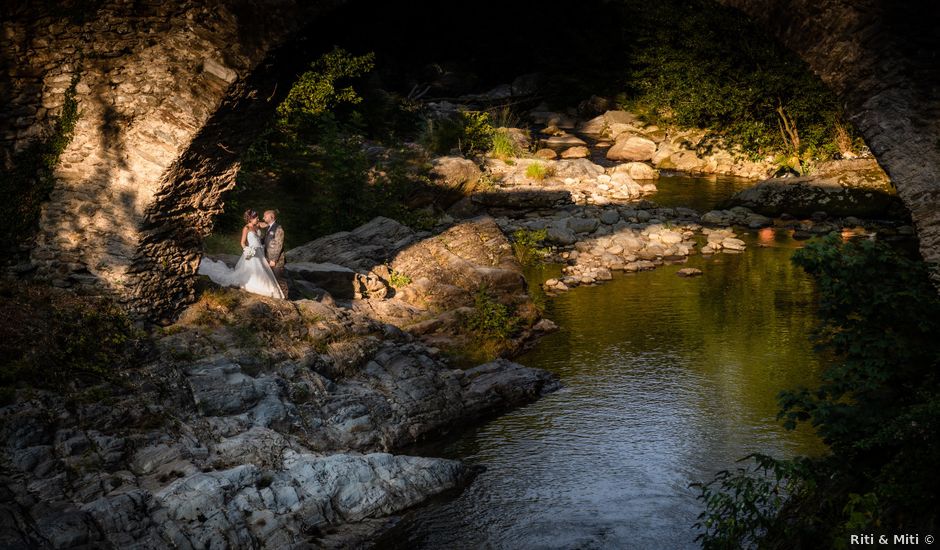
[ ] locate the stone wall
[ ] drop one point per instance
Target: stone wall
(169, 94)
(883, 59)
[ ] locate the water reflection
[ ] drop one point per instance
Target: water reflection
(667, 380)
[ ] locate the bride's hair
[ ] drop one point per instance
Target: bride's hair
(250, 215)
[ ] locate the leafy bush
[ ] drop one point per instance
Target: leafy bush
(877, 407)
(470, 132)
(492, 320)
(323, 88)
(398, 279)
(711, 67)
(539, 171)
(528, 246)
(742, 506)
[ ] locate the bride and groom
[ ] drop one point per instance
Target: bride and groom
(260, 269)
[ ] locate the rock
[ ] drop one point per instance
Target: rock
(455, 173)
(547, 154)
(457, 262)
(632, 149)
(335, 279)
(637, 170)
(689, 272)
(663, 152)
(621, 117)
(582, 225)
(576, 152)
(610, 217)
(551, 118)
(731, 243)
(840, 188)
(670, 237)
(594, 105)
(518, 136)
(366, 246)
(523, 198)
(560, 235)
(578, 169)
(717, 217)
(563, 142)
(220, 388)
(683, 161)
(755, 221)
(594, 127)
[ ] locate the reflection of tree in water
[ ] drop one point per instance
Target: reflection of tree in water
(742, 328)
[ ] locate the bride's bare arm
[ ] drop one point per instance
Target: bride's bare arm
(244, 236)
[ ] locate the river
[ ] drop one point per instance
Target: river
(666, 381)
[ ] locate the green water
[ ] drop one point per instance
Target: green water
(666, 381)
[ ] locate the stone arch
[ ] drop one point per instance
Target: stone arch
(171, 91)
(169, 94)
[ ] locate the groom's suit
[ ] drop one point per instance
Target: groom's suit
(274, 251)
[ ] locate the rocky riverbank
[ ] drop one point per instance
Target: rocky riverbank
(857, 187)
(262, 423)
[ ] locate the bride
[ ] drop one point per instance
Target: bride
(252, 272)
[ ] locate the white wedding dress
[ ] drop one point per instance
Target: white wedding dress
(251, 273)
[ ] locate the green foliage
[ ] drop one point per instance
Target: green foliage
(313, 161)
(470, 132)
(398, 279)
(502, 145)
(877, 407)
(477, 132)
(492, 320)
(529, 246)
(323, 88)
(742, 506)
(880, 317)
(56, 340)
(711, 67)
(539, 171)
(27, 185)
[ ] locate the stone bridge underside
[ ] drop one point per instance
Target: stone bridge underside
(883, 59)
(170, 95)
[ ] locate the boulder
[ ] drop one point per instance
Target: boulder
(560, 235)
(632, 149)
(365, 247)
(455, 173)
(610, 216)
(582, 225)
(518, 136)
(594, 127)
(637, 170)
(576, 152)
(563, 142)
(578, 169)
(621, 117)
(546, 154)
(335, 279)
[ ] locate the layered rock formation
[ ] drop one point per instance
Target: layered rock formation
(254, 423)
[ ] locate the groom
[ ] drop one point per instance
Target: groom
(274, 248)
